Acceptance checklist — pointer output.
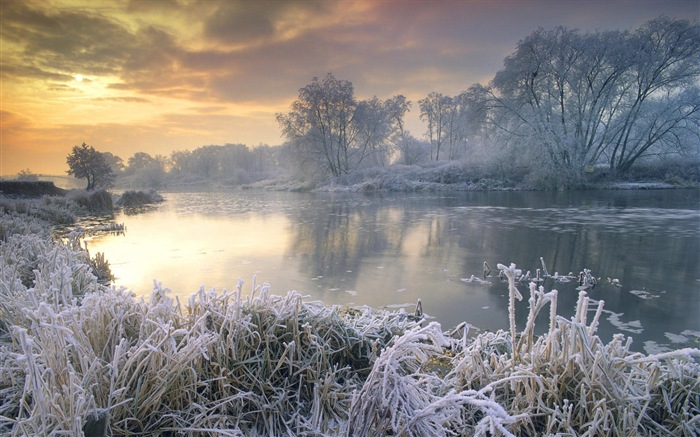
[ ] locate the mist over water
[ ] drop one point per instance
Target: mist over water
(391, 250)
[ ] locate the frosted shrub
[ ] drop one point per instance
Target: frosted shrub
(57, 213)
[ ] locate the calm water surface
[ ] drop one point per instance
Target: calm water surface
(391, 250)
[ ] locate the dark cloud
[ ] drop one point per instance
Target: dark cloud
(241, 22)
(269, 49)
(56, 41)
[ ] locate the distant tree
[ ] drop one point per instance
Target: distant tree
(330, 131)
(181, 161)
(139, 161)
(114, 162)
(457, 125)
(27, 176)
(145, 170)
(452, 123)
(373, 128)
(265, 160)
(84, 162)
(433, 111)
(399, 136)
(229, 164)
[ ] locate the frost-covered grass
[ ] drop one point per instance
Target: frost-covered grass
(435, 176)
(60, 210)
(260, 364)
(438, 176)
(77, 356)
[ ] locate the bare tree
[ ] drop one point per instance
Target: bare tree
(396, 108)
(412, 151)
(663, 106)
(330, 130)
(433, 111)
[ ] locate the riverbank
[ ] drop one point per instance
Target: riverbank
(79, 356)
(393, 185)
(459, 176)
(29, 189)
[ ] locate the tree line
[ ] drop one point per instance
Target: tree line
(564, 103)
(231, 164)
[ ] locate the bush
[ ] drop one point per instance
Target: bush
(130, 199)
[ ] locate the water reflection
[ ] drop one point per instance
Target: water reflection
(388, 250)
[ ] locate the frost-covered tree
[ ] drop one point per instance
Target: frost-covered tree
(662, 112)
(333, 133)
(84, 162)
(433, 111)
(570, 100)
(449, 123)
(399, 136)
(412, 151)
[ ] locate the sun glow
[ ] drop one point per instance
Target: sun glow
(78, 77)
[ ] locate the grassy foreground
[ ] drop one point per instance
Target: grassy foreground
(80, 358)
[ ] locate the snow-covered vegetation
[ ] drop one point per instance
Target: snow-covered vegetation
(80, 357)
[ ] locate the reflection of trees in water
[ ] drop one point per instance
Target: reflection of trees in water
(332, 240)
(335, 239)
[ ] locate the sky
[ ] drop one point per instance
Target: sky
(155, 76)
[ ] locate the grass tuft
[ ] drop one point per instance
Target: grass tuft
(131, 199)
(96, 202)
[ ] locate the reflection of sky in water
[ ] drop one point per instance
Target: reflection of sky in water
(188, 251)
(392, 250)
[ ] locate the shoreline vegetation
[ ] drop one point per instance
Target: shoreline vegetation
(79, 357)
(447, 176)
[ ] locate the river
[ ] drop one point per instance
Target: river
(391, 250)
